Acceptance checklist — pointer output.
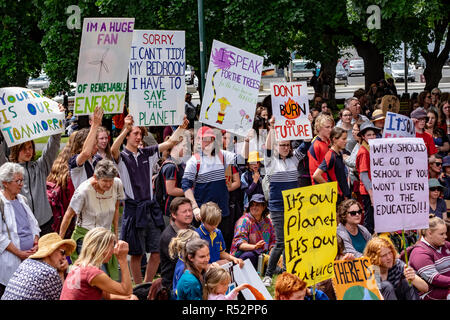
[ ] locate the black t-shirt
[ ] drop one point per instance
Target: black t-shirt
(171, 171)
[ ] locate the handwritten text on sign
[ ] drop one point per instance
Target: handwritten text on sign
(290, 107)
(399, 171)
(398, 126)
(102, 65)
(157, 71)
(25, 115)
(310, 231)
(355, 280)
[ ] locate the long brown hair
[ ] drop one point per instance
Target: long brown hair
(78, 141)
(15, 150)
(59, 174)
(108, 147)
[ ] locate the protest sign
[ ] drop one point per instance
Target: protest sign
(157, 83)
(248, 274)
(103, 65)
(355, 280)
(231, 91)
(26, 115)
(399, 173)
(290, 106)
(398, 126)
(310, 231)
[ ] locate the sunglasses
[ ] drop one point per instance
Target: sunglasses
(354, 213)
(435, 189)
(438, 164)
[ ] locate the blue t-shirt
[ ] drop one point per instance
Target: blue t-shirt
(358, 241)
(215, 240)
(23, 226)
(189, 287)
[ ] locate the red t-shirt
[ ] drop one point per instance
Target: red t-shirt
(316, 154)
(429, 142)
(77, 284)
(363, 165)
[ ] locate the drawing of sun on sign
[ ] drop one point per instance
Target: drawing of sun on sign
(101, 64)
(221, 60)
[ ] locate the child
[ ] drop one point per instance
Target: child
(211, 215)
(251, 180)
(216, 285)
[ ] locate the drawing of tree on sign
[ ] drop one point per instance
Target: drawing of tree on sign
(102, 65)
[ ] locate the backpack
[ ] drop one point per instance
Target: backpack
(54, 195)
(160, 192)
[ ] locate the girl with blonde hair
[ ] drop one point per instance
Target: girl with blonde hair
(86, 281)
(217, 281)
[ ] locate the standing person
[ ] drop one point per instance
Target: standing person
(440, 138)
(181, 219)
(320, 144)
(354, 106)
(430, 258)
(438, 206)
(96, 204)
(86, 281)
(103, 146)
(254, 233)
(445, 117)
(419, 117)
(205, 172)
(378, 119)
(436, 97)
(19, 229)
(283, 175)
(345, 123)
(84, 156)
(190, 285)
(424, 100)
(142, 218)
(352, 233)
(394, 273)
(41, 276)
(189, 110)
(333, 164)
(435, 167)
(36, 172)
(367, 132)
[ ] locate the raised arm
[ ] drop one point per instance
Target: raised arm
(115, 148)
(91, 139)
(175, 137)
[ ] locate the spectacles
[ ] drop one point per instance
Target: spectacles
(438, 164)
(18, 181)
(354, 213)
(435, 93)
(428, 97)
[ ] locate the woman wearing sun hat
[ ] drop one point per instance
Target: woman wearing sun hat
(437, 204)
(251, 180)
(41, 276)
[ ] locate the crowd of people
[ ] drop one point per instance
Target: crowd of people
(182, 206)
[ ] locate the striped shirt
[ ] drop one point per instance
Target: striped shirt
(210, 183)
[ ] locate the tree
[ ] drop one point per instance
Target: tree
(20, 52)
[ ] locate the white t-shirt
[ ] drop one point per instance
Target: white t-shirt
(94, 209)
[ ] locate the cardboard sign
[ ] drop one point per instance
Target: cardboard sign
(232, 87)
(399, 171)
(355, 280)
(157, 80)
(26, 115)
(310, 231)
(398, 126)
(290, 106)
(249, 275)
(103, 65)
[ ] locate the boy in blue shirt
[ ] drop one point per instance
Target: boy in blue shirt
(211, 215)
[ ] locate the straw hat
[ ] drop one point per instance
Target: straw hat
(378, 115)
(50, 242)
(254, 157)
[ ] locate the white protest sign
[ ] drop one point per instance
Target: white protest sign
(26, 115)
(399, 173)
(232, 87)
(248, 274)
(157, 83)
(398, 126)
(290, 106)
(103, 65)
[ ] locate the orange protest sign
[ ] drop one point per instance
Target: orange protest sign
(355, 280)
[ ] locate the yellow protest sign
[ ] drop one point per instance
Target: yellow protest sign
(310, 231)
(355, 280)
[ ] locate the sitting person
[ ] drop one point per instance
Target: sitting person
(211, 215)
(254, 233)
(251, 180)
(394, 273)
(291, 287)
(217, 281)
(438, 206)
(354, 235)
(430, 257)
(41, 276)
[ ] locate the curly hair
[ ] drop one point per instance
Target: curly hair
(373, 249)
(343, 208)
(15, 151)
(287, 284)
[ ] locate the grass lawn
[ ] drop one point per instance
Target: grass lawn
(45, 139)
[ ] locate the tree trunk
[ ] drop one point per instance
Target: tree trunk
(435, 60)
(328, 65)
(373, 62)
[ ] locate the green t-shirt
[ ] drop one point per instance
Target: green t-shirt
(358, 241)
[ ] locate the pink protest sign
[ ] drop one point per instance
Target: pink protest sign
(399, 171)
